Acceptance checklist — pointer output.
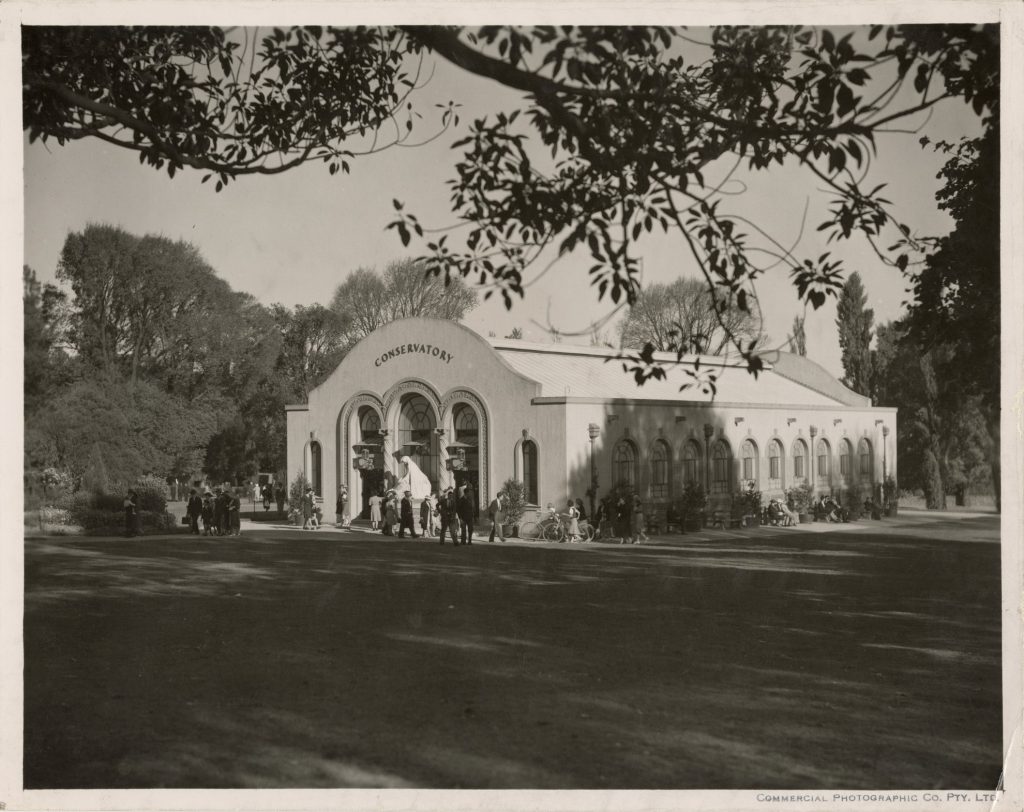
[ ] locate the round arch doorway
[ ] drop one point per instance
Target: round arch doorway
(417, 436)
(466, 426)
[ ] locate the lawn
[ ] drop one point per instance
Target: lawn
(853, 659)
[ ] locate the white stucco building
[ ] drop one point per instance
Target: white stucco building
(470, 409)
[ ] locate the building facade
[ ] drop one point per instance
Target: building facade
(557, 418)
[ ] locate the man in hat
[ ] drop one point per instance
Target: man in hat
(467, 512)
(448, 510)
(194, 511)
(496, 511)
(407, 518)
(308, 501)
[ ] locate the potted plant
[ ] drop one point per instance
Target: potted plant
(514, 497)
(749, 502)
(691, 506)
(799, 500)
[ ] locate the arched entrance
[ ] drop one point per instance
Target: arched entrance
(464, 452)
(417, 435)
(369, 451)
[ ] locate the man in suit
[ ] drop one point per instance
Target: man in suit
(448, 509)
(407, 518)
(496, 510)
(466, 510)
(194, 511)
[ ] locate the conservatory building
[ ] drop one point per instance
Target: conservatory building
(476, 411)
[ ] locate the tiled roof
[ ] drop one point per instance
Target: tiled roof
(594, 372)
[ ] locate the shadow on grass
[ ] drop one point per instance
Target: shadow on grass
(821, 661)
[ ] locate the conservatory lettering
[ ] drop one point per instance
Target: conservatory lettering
(404, 349)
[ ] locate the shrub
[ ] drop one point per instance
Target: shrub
(747, 501)
(295, 492)
(692, 501)
(106, 522)
(515, 500)
(150, 494)
(799, 497)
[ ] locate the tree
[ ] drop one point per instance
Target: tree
(367, 300)
(609, 142)
(956, 307)
(681, 316)
(149, 306)
(855, 323)
(314, 340)
(943, 441)
(45, 362)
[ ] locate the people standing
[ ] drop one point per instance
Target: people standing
(496, 511)
(639, 532)
(622, 519)
(234, 514)
(427, 516)
(341, 506)
(194, 511)
(265, 493)
(130, 509)
(573, 530)
(466, 510)
(407, 520)
(307, 508)
(208, 524)
(390, 514)
(218, 512)
(449, 515)
(280, 496)
(375, 517)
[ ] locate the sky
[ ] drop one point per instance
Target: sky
(293, 238)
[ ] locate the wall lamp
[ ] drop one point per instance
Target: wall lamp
(737, 420)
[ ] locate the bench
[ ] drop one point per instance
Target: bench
(663, 519)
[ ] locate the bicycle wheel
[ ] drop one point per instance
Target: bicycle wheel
(588, 531)
(554, 532)
(529, 530)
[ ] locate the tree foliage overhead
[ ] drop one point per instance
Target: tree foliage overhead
(856, 328)
(610, 142)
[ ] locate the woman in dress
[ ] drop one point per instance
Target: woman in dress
(390, 514)
(573, 530)
(638, 532)
(375, 501)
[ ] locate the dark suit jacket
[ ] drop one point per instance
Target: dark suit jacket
(407, 514)
(466, 508)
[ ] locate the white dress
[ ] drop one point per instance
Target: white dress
(375, 509)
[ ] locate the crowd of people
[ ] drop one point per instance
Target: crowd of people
(450, 513)
(620, 518)
(219, 511)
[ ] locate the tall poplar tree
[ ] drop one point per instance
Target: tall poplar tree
(856, 326)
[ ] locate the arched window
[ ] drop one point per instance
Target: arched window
(316, 468)
(866, 463)
(845, 453)
(748, 454)
(824, 467)
(721, 458)
(660, 470)
(691, 463)
(624, 464)
(369, 424)
(775, 464)
(530, 471)
(799, 461)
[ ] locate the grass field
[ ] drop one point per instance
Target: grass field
(857, 658)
